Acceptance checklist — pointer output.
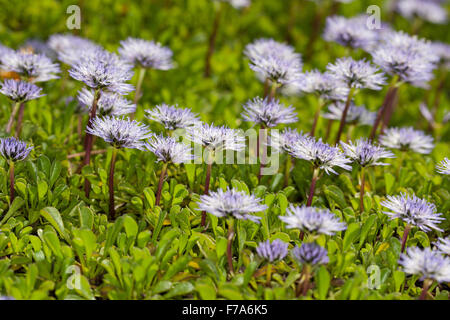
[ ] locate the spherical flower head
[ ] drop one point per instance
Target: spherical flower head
(167, 149)
(311, 254)
(406, 139)
(311, 219)
(323, 85)
(429, 264)
(69, 48)
(320, 154)
(352, 32)
(358, 74)
(336, 109)
(443, 244)
(20, 91)
(38, 46)
(442, 50)
(216, 138)
(4, 50)
(274, 251)
(366, 117)
(109, 104)
(146, 54)
(366, 154)
(231, 203)
(263, 47)
(103, 70)
(32, 67)
(268, 113)
(13, 149)
(414, 211)
(428, 10)
(171, 117)
(444, 166)
(120, 132)
(282, 141)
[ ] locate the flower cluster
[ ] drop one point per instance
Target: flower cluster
(444, 166)
(20, 91)
(276, 250)
(146, 54)
(172, 117)
(406, 139)
(268, 113)
(69, 48)
(310, 253)
(216, 138)
(109, 104)
(324, 85)
(364, 153)
(167, 149)
(428, 10)
(355, 114)
(13, 149)
(427, 263)
(282, 141)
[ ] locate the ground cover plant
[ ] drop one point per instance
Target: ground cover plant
(224, 149)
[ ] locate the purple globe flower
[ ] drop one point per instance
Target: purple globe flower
(282, 141)
(69, 48)
(171, 117)
(414, 211)
(274, 251)
(311, 219)
(310, 253)
(443, 244)
(336, 109)
(13, 149)
(324, 85)
(109, 104)
(427, 263)
(444, 166)
(364, 153)
(428, 10)
(20, 91)
(103, 70)
(147, 54)
(231, 203)
(267, 112)
(167, 149)
(216, 138)
(406, 139)
(119, 132)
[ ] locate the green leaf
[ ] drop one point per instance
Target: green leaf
(323, 282)
(179, 289)
(53, 216)
(350, 235)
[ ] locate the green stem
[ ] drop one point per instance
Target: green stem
(426, 285)
(287, 170)
(229, 245)
(11, 179)
(316, 116)
(273, 91)
(161, 182)
(112, 208)
(12, 117)
(137, 94)
(405, 236)
(268, 274)
(361, 190)
(207, 181)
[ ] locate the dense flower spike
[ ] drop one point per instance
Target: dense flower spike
(311, 219)
(443, 244)
(146, 54)
(171, 117)
(426, 263)
(310, 253)
(406, 139)
(103, 70)
(358, 74)
(216, 138)
(13, 149)
(69, 48)
(320, 154)
(31, 67)
(120, 132)
(414, 211)
(444, 166)
(276, 250)
(283, 140)
(109, 104)
(20, 91)
(352, 32)
(167, 149)
(324, 85)
(268, 113)
(428, 10)
(364, 153)
(231, 203)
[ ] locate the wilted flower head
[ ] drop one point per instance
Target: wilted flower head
(428, 10)
(216, 138)
(320, 154)
(350, 32)
(146, 54)
(172, 117)
(120, 132)
(276, 250)
(30, 66)
(109, 104)
(20, 91)
(274, 61)
(443, 244)
(282, 141)
(311, 219)
(103, 70)
(323, 85)
(167, 149)
(268, 112)
(414, 211)
(406, 139)
(70, 48)
(231, 203)
(357, 74)
(429, 264)
(364, 153)
(444, 166)
(310, 253)
(13, 149)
